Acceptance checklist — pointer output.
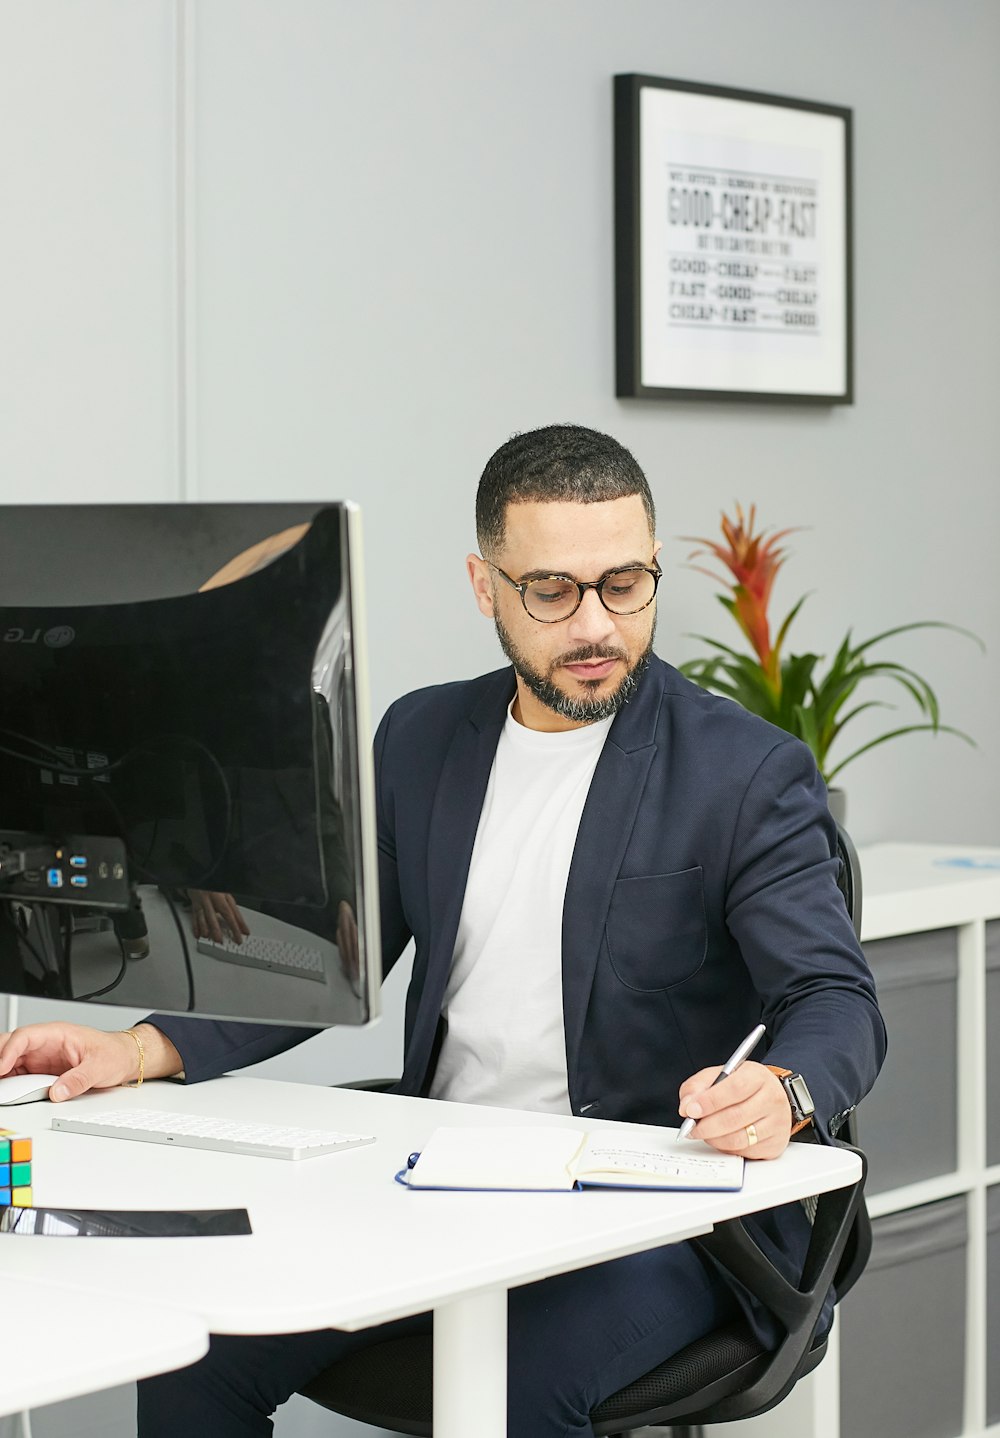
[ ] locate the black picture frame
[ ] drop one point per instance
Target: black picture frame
(758, 186)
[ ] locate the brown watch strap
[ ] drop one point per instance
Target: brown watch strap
(784, 1073)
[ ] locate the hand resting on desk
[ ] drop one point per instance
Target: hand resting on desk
(86, 1058)
(751, 1095)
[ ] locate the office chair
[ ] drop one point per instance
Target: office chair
(726, 1375)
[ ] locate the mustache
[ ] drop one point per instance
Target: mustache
(590, 651)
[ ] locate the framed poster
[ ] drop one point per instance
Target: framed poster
(732, 244)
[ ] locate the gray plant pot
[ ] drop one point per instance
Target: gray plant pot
(837, 800)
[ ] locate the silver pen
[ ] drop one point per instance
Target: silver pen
(734, 1060)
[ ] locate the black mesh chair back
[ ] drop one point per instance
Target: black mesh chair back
(849, 877)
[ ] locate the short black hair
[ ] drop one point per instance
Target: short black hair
(559, 462)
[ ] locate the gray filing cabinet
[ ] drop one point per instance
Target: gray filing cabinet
(993, 1305)
(993, 1044)
(916, 1348)
(907, 1124)
(902, 1329)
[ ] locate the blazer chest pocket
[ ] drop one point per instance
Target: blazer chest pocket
(656, 931)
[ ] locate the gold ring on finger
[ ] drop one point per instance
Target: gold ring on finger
(751, 1132)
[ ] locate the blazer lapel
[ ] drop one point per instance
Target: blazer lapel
(458, 803)
(605, 829)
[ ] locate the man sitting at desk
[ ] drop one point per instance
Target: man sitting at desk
(611, 876)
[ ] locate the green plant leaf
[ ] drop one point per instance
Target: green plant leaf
(717, 644)
(853, 713)
(796, 683)
(805, 721)
(914, 683)
(921, 624)
(895, 734)
(786, 623)
(745, 681)
(705, 672)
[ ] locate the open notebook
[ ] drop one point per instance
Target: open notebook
(564, 1159)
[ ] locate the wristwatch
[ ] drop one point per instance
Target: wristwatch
(799, 1097)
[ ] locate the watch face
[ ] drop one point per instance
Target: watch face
(798, 1092)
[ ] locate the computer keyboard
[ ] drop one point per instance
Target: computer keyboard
(187, 1130)
(260, 951)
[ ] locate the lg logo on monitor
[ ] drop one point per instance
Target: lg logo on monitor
(56, 638)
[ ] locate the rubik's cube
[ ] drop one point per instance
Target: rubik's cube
(15, 1169)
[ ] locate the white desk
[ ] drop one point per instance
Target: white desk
(337, 1243)
(60, 1342)
(909, 887)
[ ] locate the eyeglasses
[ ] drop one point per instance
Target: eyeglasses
(556, 597)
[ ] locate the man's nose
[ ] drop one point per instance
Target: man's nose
(591, 624)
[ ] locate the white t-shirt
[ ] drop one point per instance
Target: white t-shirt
(505, 1042)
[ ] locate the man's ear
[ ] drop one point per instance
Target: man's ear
(482, 583)
(657, 546)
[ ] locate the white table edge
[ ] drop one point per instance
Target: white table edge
(163, 1338)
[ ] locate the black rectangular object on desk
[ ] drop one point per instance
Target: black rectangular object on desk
(908, 1123)
(125, 1223)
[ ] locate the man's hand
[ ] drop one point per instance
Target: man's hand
(85, 1058)
(751, 1096)
(216, 916)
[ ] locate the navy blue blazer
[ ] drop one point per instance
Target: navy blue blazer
(701, 899)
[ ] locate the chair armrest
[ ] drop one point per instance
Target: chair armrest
(838, 1249)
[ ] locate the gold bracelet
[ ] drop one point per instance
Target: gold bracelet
(142, 1059)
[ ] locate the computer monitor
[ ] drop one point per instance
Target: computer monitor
(186, 797)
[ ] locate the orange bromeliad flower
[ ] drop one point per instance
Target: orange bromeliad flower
(754, 561)
(794, 693)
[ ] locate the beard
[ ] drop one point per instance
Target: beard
(583, 708)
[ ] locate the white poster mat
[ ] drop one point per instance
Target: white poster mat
(742, 245)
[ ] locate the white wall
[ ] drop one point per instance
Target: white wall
(370, 241)
(87, 378)
(323, 248)
(403, 243)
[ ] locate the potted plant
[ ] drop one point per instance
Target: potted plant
(792, 690)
